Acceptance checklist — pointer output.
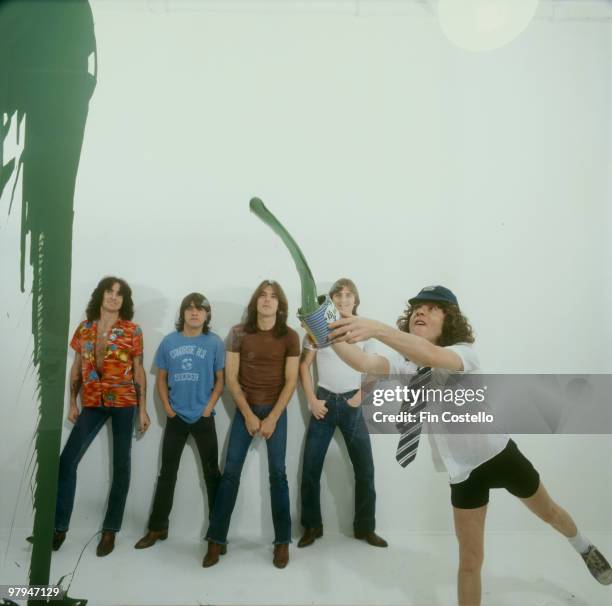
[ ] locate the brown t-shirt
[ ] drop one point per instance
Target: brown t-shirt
(262, 361)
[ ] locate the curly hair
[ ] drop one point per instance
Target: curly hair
(97, 296)
(455, 328)
(341, 283)
(280, 326)
(201, 302)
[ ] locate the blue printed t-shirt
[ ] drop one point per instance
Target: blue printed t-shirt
(191, 363)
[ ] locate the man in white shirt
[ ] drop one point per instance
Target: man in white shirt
(434, 333)
(336, 403)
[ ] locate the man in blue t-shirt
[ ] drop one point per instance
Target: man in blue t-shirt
(190, 366)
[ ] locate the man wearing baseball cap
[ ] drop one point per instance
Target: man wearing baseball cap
(431, 334)
(435, 293)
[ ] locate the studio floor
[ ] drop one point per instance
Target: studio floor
(522, 569)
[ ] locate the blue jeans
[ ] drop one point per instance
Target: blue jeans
(87, 426)
(237, 449)
(320, 431)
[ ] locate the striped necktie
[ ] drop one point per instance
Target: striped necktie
(411, 430)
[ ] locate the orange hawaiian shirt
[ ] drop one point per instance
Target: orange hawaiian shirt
(115, 387)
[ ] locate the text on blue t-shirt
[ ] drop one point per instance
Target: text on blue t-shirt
(191, 363)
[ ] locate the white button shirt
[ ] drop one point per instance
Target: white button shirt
(458, 454)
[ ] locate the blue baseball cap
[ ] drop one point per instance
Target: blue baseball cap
(435, 293)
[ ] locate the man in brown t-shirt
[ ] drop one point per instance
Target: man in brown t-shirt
(261, 369)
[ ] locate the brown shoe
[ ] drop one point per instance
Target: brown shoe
(281, 555)
(372, 538)
(106, 544)
(212, 554)
(151, 538)
(310, 536)
(58, 539)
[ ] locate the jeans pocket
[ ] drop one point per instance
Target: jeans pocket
(353, 406)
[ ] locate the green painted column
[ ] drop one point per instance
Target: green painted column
(45, 49)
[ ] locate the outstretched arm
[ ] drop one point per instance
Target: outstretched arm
(415, 348)
(360, 360)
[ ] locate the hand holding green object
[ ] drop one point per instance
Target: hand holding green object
(315, 312)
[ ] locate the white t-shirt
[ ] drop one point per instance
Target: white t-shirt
(334, 374)
(459, 453)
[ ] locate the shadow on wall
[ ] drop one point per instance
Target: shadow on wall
(45, 50)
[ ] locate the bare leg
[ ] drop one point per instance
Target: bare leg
(469, 528)
(547, 510)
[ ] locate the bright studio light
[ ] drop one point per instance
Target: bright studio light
(481, 25)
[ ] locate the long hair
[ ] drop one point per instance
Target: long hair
(455, 328)
(341, 283)
(95, 302)
(201, 302)
(280, 326)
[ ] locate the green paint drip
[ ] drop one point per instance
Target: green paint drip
(44, 51)
(309, 289)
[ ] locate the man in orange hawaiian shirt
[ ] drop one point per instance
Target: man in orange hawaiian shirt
(108, 367)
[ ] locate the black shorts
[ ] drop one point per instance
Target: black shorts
(509, 469)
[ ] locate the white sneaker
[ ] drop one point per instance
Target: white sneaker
(598, 565)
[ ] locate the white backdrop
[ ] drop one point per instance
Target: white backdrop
(393, 158)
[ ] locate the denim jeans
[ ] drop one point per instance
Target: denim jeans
(87, 426)
(237, 449)
(175, 436)
(320, 431)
